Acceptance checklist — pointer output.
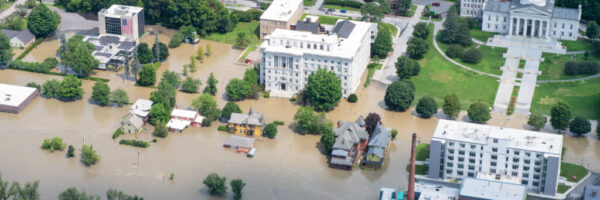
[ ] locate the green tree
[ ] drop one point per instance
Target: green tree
(472, 56)
(171, 78)
(164, 50)
(14, 22)
(463, 36)
(29, 192)
(417, 47)
(479, 112)
(324, 90)
(251, 76)
(216, 184)
(6, 53)
(270, 130)
(119, 97)
(207, 106)
(598, 129)
(241, 40)
(371, 12)
(101, 93)
(42, 21)
(211, 84)
(158, 113)
(200, 54)
(208, 50)
(229, 108)
(190, 85)
(382, 44)
(352, 98)
(147, 75)
(237, 185)
(237, 89)
(164, 94)
(160, 129)
(455, 51)
(451, 28)
(34, 85)
(426, 107)
(78, 55)
(327, 140)
(70, 89)
(592, 31)
(192, 64)
(580, 126)
(404, 7)
(421, 31)
(451, 105)
(50, 88)
(89, 155)
(144, 54)
(112, 194)
(371, 122)
(70, 151)
(307, 121)
(53, 144)
(406, 67)
(400, 95)
(560, 115)
(72, 193)
(537, 121)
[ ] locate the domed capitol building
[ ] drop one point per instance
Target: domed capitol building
(537, 19)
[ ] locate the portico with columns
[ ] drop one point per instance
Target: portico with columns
(529, 27)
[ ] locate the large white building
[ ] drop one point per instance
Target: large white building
(127, 21)
(525, 18)
(288, 57)
(460, 150)
(281, 14)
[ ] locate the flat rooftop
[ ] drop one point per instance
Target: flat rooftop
(14, 95)
(517, 139)
(281, 10)
(109, 47)
(120, 10)
(432, 191)
(489, 189)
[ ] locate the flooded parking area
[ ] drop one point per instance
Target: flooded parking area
(287, 167)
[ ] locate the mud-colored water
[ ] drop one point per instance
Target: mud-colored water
(46, 49)
(287, 167)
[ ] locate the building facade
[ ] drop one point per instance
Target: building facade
(281, 14)
(19, 39)
(250, 124)
(459, 150)
(351, 139)
(127, 21)
(538, 19)
(289, 57)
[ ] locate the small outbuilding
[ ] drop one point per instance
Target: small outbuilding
(240, 144)
(19, 38)
(131, 123)
(141, 108)
(14, 98)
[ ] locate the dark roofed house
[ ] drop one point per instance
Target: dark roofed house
(19, 38)
(250, 124)
(308, 26)
(350, 141)
(377, 146)
(344, 28)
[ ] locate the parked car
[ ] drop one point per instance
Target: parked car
(330, 9)
(343, 11)
(251, 152)
(435, 4)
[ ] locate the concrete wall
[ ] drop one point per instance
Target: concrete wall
(495, 22)
(552, 174)
(435, 157)
(471, 8)
(563, 29)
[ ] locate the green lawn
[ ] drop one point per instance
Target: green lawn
(422, 152)
(553, 67)
(324, 19)
(419, 169)
(391, 28)
(371, 67)
(309, 2)
(439, 77)
(248, 50)
(480, 35)
(569, 170)
(491, 60)
(338, 7)
(579, 45)
(562, 188)
(583, 97)
(230, 37)
(5, 4)
(432, 19)
(413, 7)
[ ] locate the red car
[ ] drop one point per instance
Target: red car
(435, 4)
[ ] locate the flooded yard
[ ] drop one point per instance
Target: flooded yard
(287, 167)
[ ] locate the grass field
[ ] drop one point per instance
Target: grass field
(391, 28)
(371, 69)
(579, 45)
(562, 188)
(481, 35)
(432, 19)
(413, 7)
(553, 67)
(422, 152)
(419, 169)
(324, 19)
(569, 170)
(491, 58)
(230, 37)
(338, 7)
(439, 77)
(309, 2)
(583, 97)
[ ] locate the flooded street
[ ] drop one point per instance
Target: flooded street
(287, 167)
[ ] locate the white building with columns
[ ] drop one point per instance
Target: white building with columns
(537, 19)
(288, 57)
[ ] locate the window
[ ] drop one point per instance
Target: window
(527, 162)
(494, 157)
(515, 160)
(460, 173)
(537, 170)
(495, 140)
(493, 164)
(525, 175)
(492, 171)
(536, 184)
(516, 153)
(515, 166)
(494, 149)
(450, 157)
(461, 152)
(515, 173)
(449, 164)
(538, 155)
(448, 171)
(450, 150)
(471, 167)
(526, 168)
(471, 160)
(450, 143)
(461, 159)
(524, 182)
(471, 174)
(473, 146)
(472, 154)
(462, 145)
(461, 166)
(536, 176)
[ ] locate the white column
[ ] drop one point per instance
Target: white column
(547, 29)
(539, 34)
(518, 26)
(526, 32)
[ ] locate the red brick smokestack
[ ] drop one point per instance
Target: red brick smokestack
(411, 175)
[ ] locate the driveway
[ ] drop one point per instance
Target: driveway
(74, 22)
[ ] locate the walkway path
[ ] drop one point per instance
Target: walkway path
(387, 74)
(507, 83)
(528, 82)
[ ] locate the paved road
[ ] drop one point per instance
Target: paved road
(387, 75)
(11, 9)
(73, 22)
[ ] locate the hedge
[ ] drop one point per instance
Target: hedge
(353, 4)
(277, 122)
(117, 133)
(135, 143)
(61, 74)
(223, 128)
(44, 67)
(30, 48)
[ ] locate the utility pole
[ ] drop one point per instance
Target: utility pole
(138, 164)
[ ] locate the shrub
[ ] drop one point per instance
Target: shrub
(537, 120)
(270, 130)
(426, 107)
(394, 133)
(70, 151)
(455, 51)
(53, 144)
(216, 184)
(586, 67)
(237, 89)
(421, 30)
(352, 98)
(89, 155)
(135, 143)
(479, 112)
(417, 47)
(43, 67)
(353, 4)
(277, 122)
(472, 56)
(230, 107)
(266, 94)
(117, 133)
(400, 95)
(172, 176)
(223, 128)
(293, 99)
(580, 126)
(160, 129)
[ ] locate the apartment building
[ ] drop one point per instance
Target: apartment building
(460, 150)
(127, 21)
(281, 14)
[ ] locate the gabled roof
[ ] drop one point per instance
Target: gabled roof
(545, 9)
(497, 6)
(184, 113)
(134, 120)
(252, 118)
(240, 141)
(312, 27)
(380, 137)
(24, 35)
(348, 134)
(360, 121)
(344, 28)
(566, 13)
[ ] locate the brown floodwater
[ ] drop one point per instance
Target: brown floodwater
(287, 167)
(46, 49)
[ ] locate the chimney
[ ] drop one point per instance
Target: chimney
(339, 123)
(411, 175)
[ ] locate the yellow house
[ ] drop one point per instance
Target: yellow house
(250, 124)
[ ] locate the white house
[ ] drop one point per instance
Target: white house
(19, 38)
